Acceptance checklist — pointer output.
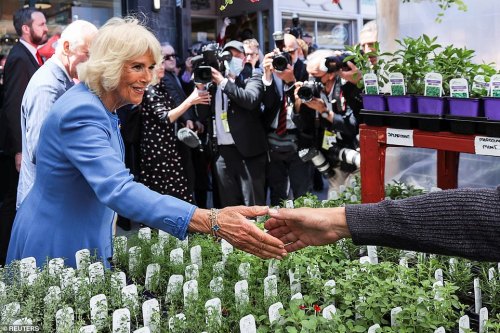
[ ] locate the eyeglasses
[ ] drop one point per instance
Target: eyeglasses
(251, 54)
(169, 56)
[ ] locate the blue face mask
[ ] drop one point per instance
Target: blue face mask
(235, 66)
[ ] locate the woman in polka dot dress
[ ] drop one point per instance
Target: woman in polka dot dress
(161, 166)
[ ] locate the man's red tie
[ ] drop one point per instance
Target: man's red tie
(281, 128)
(39, 58)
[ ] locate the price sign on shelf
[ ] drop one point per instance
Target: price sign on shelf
(399, 137)
(484, 145)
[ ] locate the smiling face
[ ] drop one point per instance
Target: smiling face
(136, 75)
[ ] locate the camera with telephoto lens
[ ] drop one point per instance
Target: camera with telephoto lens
(309, 90)
(282, 59)
(211, 56)
(318, 159)
(336, 63)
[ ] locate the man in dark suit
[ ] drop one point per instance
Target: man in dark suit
(22, 63)
(241, 140)
(289, 128)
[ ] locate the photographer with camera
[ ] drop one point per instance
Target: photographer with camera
(337, 103)
(238, 137)
(284, 123)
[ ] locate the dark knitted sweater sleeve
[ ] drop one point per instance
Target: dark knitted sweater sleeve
(462, 222)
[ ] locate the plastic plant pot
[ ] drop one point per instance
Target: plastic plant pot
(492, 108)
(401, 104)
(465, 107)
(374, 102)
(431, 105)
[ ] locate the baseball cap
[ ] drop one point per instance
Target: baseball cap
(235, 45)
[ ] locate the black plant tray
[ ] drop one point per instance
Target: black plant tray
(466, 125)
(431, 123)
(375, 118)
(493, 128)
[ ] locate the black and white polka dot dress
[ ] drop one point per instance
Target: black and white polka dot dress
(161, 163)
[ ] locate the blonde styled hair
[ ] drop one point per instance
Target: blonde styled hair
(116, 42)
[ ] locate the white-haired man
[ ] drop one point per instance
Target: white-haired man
(54, 78)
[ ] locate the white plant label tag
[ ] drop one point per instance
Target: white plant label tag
(192, 272)
(190, 289)
(134, 258)
(214, 311)
(241, 294)
(53, 296)
(176, 321)
(484, 145)
(403, 262)
(364, 260)
(433, 85)
(151, 314)
(67, 275)
(270, 287)
(480, 84)
(2, 290)
(177, 256)
(394, 316)
(440, 330)
(371, 84)
(121, 321)
(313, 272)
(157, 250)
(56, 265)
(308, 202)
(459, 88)
(491, 274)
(463, 323)
(373, 328)
(478, 300)
(119, 246)
(244, 270)
(174, 286)
(483, 318)
(272, 268)
(163, 237)
(218, 269)
(27, 266)
(152, 276)
(25, 321)
(96, 272)
(247, 324)
(143, 330)
(438, 275)
(372, 254)
(297, 296)
(495, 86)
(289, 204)
(130, 296)
(195, 254)
(65, 319)
(216, 285)
(32, 278)
(437, 294)
(99, 311)
(144, 233)
(397, 83)
(227, 249)
(330, 286)
(88, 329)
(399, 137)
(329, 312)
(82, 259)
(453, 263)
(183, 244)
(274, 313)
(118, 281)
(294, 276)
(10, 312)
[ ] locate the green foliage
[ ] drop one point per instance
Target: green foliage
(446, 4)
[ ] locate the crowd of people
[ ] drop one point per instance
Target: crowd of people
(251, 124)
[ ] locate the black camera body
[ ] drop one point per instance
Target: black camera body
(309, 90)
(211, 56)
(282, 59)
(336, 63)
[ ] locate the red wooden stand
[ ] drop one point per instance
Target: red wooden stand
(373, 144)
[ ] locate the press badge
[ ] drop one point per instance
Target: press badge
(225, 124)
(329, 139)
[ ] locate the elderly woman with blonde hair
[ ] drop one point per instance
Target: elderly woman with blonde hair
(82, 180)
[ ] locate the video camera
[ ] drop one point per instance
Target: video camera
(336, 63)
(282, 59)
(211, 56)
(310, 89)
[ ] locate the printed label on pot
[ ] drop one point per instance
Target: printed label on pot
(214, 311)
(177, 256)
(274, 312)
(371, 84)
(55, 266)
(495, 85)
(270, 287)
(397, 82)
(96, 272)
(329, 312)
(88, 329)
(459, 88)
(144, 233)
(484, 145)
(190, 289)
(244, 270)
(192, 272)
(481, 86)
(216, 285)
(399, 137)
(174, 286)
(272, 269)
(433, 85)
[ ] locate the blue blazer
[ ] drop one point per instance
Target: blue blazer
(81, 182)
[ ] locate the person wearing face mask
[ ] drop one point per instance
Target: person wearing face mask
(337, 107)
(45, 87)
(288, 130)
(240, 160)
